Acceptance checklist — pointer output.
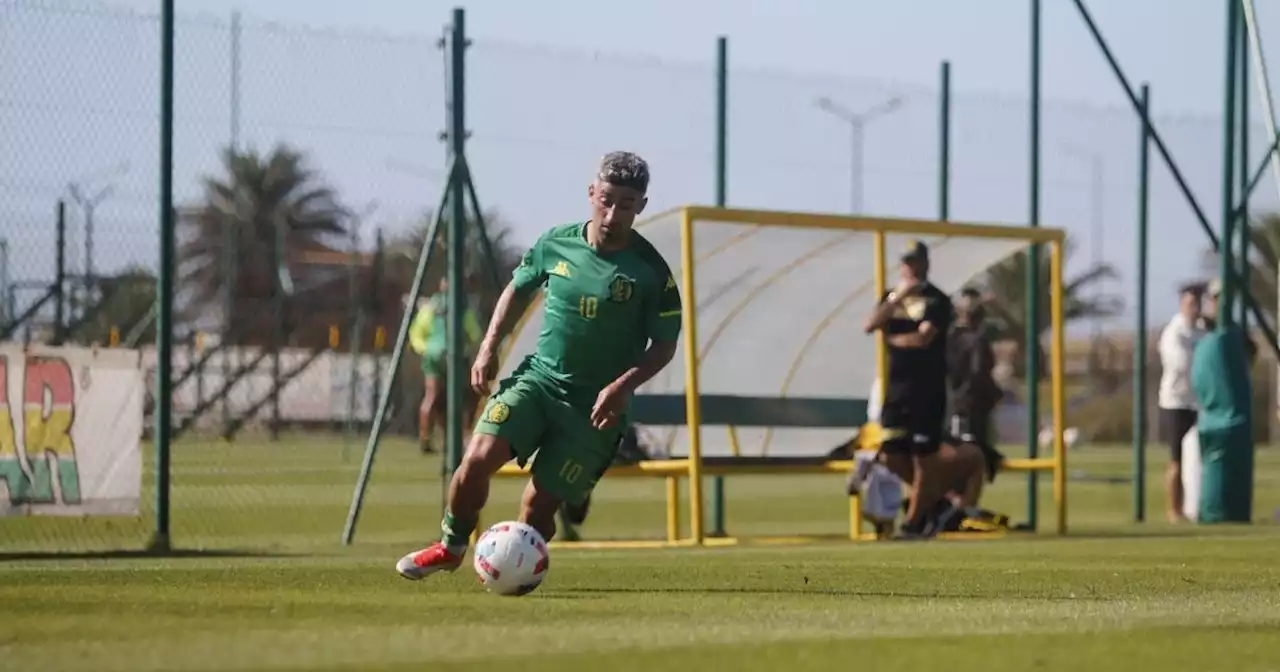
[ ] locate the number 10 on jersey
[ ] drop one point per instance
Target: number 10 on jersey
(587, 306)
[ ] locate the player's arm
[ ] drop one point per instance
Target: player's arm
(420, 329)
(662, 324)
(528, 277)
(937, 319)
(882, 313)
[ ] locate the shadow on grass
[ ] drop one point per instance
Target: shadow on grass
(825, 592)
(135, 554)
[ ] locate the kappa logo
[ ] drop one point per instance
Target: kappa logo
(31, 464)
(621, 289)
(671, 282)
(561, 269)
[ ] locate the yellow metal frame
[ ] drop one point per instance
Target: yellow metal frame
(692, 467)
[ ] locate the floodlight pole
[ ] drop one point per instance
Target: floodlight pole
(857, 124)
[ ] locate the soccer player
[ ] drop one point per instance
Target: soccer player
(427, 339)
(611, 318)
(915, 318)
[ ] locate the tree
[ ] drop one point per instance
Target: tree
(1005, 286)
(258, 202)
(1264, 262)
(125, 301)
(403, 250)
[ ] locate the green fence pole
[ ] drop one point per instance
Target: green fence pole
(161, 540)
(944, 143)
(1032, 335)
(1140, 331)
(722, 182)
(456, 299)
(425, 256)
(60, 275)
(1243, 196)
(1226, 304)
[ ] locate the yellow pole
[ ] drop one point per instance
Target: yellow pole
(1059, 397)
(673, 509)
(693, 410)
(113, 339)
(882, 372)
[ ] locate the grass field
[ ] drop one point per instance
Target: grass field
(266, 585)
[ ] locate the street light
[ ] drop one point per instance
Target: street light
(88, 202)
(857, 123)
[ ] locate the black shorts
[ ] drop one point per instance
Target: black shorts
(1175, 423)
(913, 425)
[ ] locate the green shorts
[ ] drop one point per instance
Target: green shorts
(535, 417)
(435, 365)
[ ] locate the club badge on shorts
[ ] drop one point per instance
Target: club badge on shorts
(497, 413)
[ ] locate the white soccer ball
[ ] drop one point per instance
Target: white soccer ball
(511, 558)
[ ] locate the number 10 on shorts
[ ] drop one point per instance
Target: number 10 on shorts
(570, 471)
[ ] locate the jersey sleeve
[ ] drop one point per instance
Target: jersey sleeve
(532, 271)
(665, 307)
(420, 329)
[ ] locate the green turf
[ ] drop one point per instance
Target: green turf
(1115, 596)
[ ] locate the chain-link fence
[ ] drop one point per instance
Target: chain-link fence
(306, 159)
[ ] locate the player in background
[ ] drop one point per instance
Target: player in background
(427, 339)
(611, 317)
(915, 318)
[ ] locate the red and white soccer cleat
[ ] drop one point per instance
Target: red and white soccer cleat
(432, 559)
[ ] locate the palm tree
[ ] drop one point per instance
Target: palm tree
(264, 210)
(1005, 286)
(126, 300)
(1264, 262)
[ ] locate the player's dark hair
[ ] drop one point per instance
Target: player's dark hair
(625, 169)
(1196, 289)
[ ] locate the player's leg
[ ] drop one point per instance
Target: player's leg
(925, 421)
(1177, 422)
(966, 468)
(430, 413)
(511, 426)
(572, 459)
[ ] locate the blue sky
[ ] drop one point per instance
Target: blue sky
(555, 84)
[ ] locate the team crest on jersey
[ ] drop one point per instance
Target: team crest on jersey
(621, 289)
(497, 413)
(915, 307)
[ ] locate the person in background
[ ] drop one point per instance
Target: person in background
(427, 338)
(1176, 399)
(1209, 316)
(916, 319)
(970, 362)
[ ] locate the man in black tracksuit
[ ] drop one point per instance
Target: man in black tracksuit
(915, 318)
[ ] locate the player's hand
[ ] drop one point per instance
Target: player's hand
(483, 369)
(609, 405)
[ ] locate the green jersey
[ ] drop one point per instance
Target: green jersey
(601, 309)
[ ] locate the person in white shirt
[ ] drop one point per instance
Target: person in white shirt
(1176, 400)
